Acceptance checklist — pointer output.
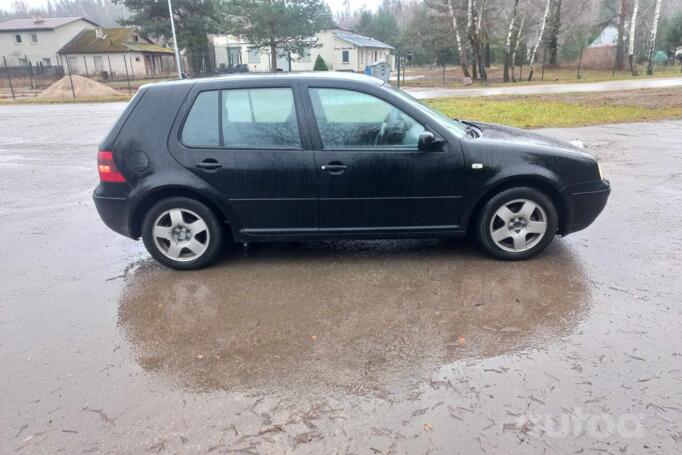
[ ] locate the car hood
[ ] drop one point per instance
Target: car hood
(517, 136)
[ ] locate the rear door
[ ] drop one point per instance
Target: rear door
(248, 143)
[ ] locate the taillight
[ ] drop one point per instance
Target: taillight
(108, 172)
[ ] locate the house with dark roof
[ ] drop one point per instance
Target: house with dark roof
(342, 50)
(37, 40)
(113, 52)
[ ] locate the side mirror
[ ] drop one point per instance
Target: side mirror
(427, 141)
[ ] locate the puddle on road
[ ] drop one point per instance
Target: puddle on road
(318, 317)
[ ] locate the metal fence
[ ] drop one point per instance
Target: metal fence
(20, 78)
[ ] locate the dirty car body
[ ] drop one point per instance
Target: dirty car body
(329, 156)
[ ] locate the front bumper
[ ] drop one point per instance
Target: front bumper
(585, 201)
(114, 209)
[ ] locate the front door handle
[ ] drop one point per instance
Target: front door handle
(209, 165)
(334, 168)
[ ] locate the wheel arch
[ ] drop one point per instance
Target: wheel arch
(535, 182)
(151, 198)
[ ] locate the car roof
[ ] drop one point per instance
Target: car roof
(340, 76)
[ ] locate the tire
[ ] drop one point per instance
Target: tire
(510, 225)
(182, 233)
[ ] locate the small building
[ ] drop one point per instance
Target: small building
(342, 50)
(37, 40)
(601, 53)
(111, 52)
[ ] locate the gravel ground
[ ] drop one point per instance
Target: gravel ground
(354, 347)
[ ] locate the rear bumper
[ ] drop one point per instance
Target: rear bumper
(114, 209)
(585, 202)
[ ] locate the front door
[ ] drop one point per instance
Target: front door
(246, 143)
(372, 177)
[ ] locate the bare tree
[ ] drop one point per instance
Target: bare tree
(554, 30)
(631, 44)
(510, 41)
(620, 44)
(474, 39)
(534, 52)
(652, 40)
(460, 48)
(519, 34)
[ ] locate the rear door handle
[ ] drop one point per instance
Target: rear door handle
(334, 168)
(209, 165)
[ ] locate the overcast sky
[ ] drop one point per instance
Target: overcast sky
(336, 5)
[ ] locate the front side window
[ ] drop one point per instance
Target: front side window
(17, 38)
(34, 38)
(347, 119)
(262, 117)
(201, 126)
(345, 56)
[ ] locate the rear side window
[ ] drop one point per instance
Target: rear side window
(250, 118)
(201, 126)
(262, 117)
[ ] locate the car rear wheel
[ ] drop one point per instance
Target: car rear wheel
(517, 223)
(182, 233)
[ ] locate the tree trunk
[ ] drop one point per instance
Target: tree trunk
(472, 24)
(273, 56)
(460, 48)
(620, 46)
(510, 38)
(652, 40)
(554, 30)
(519, 33)
(531, 61)
(633, 32)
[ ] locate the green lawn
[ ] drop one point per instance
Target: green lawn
(539, 113)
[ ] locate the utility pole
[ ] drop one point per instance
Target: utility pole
(175, 40)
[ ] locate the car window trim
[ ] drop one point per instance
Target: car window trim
(221, 145)
(322, 148)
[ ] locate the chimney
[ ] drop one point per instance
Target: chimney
(38, 19)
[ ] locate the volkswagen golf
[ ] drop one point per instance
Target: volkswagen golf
(192, 164)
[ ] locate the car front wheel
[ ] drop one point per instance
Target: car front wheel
(517, 223)
(182, 233)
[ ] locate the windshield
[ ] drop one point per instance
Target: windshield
(457, 128)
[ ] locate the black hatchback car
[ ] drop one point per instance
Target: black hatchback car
(328, 156)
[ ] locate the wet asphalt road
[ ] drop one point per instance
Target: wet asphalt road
(545, 89)
(336, 347)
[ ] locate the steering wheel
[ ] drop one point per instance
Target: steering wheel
(391, 118)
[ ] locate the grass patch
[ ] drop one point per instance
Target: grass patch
(528, 112)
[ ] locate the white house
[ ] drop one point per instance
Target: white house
(111, 52)
(37, 40)
(342, 50)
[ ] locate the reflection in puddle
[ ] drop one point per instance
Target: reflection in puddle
(344, 315)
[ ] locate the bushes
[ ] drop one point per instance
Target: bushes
(320, 65)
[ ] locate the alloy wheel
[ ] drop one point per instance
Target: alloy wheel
(518, 225)
(180, 234)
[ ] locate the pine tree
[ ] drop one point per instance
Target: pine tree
(320, 65)
(282, 26)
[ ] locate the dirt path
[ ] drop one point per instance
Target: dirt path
(544, 89)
